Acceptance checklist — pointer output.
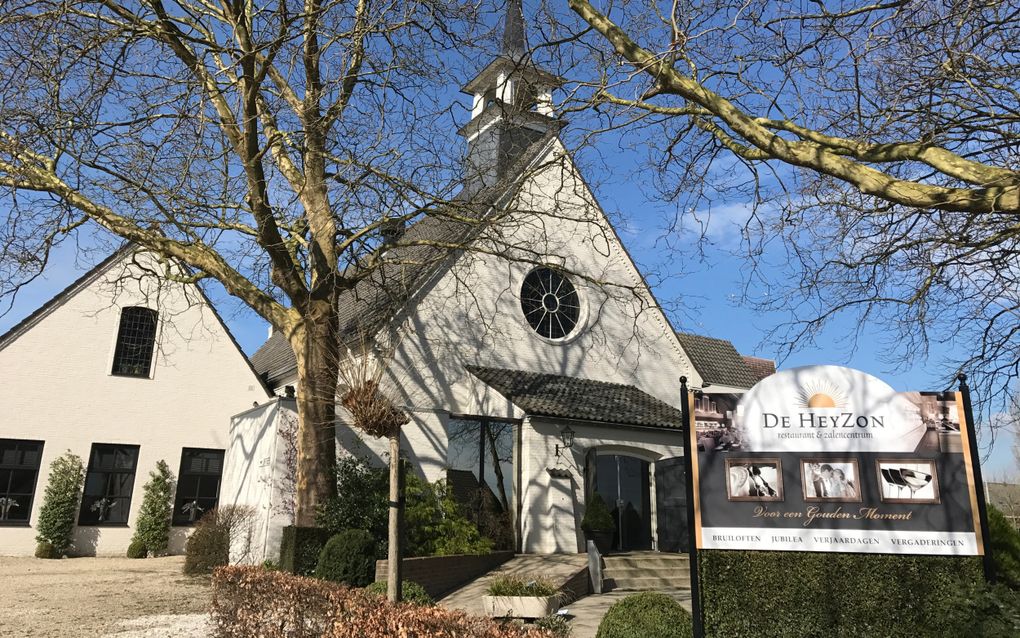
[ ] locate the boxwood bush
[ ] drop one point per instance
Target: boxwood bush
(152, 528)
(649, 614)
(348, 558)
(1005, 546)
(412, 592)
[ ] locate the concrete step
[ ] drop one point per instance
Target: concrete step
(646, 583)
(636, 572)
(645, 560)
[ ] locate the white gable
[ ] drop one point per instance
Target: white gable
(472, 314)
(57, 386)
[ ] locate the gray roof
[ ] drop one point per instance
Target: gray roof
(759, 367)
(717, 361)
(565, 397)
(367, 307)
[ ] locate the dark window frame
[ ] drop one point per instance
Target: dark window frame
(136, 342)
(188, 518)
(122, 503)
(8, 470)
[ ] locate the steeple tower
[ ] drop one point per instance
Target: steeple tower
(511, 108)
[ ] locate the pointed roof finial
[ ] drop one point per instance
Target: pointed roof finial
(515, 42)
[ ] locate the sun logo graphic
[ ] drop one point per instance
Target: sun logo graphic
(821, 395)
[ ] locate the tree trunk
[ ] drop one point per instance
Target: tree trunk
(316, 348)
(394, 588)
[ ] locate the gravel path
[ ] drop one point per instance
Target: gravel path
(101, 596)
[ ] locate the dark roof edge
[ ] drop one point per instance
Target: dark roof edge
(76, 286)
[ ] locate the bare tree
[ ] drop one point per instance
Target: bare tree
(267, 146)
(874, 148)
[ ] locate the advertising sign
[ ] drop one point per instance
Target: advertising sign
(826, 458)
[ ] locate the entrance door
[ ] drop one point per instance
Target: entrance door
(623, 483)
(671, 505)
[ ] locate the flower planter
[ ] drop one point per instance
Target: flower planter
(520, 606)
(603, 540)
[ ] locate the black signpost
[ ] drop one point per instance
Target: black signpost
(979, 485)
(685, 412)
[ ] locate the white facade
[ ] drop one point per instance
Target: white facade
(471, 315)
(58, 387)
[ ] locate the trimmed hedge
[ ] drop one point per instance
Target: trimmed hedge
(412, 592)
(648, 614)
(1005, 547)
(803, 595)
(300, 548)
(348, 558)
(251, 601)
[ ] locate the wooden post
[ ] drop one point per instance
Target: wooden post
(687, 430)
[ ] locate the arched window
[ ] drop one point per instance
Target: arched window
(136, 339)
(550, 303)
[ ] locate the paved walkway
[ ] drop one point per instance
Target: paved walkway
(558, 568)
(586, 614)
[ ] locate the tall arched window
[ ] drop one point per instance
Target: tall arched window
(136, 339)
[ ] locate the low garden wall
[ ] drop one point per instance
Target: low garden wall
(442, 574)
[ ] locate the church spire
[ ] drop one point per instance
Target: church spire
(515, 40)
(511, 107)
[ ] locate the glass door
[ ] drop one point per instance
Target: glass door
(623, 483)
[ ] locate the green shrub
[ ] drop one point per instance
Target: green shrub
(137, 549)
(648, 614)
(980, 611)
(300, 548)
(434, 523)
(45, 549)
(1005, 548)
(412, 592)
(362, 502)
(60, 504)
(216, 533)
(519, 586)
(152, 530)
(803, 594)
(597, 517)
(348, 558)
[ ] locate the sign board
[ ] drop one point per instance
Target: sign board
(830, 459)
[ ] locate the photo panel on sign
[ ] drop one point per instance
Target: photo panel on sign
(834, 480)
(754, 479)
(908, 481)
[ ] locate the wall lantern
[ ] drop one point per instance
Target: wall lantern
(567, 436)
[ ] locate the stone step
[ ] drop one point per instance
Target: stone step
(660, 572)
(646, 561)
(646, 583)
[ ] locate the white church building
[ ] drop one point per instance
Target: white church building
(537, 382)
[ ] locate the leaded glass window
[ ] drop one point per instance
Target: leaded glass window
(136, 339)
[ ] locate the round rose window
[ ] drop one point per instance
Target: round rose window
(550, 303)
